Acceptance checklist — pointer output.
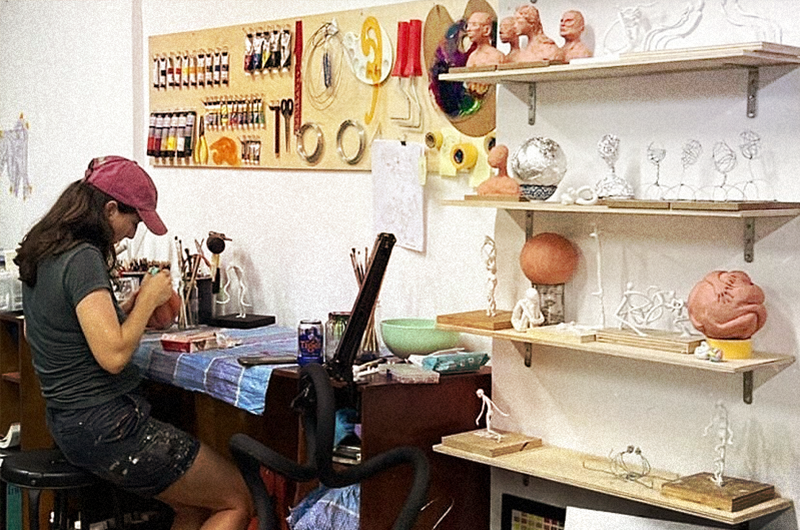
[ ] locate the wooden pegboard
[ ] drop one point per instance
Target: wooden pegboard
(236, 104)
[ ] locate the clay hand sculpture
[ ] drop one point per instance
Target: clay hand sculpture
(479, 31)
(539, 47)
(727, 305)
(500, 184)
(571, 28)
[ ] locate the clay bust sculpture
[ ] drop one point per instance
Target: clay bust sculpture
(540, 47)
(479, 31)
(727, 305)
(571, 28)
(508, 35)
(501, 183)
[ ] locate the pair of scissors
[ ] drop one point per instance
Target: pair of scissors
(287, 109)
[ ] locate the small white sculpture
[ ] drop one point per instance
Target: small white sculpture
(488, 406)
(489, 253)
(231, 271)
(639, 310)
(725, 438)
(527, 313)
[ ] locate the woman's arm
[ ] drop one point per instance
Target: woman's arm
(112, 343)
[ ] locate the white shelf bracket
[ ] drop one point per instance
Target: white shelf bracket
(749, 239)
(747, 387)
(752, 92)
(532, 103)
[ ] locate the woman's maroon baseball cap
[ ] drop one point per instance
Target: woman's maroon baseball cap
(128, 183)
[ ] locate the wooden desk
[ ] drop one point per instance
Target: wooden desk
(392, 415)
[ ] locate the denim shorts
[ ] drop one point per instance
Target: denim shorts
(119, 442)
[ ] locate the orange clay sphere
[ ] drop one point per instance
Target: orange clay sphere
(164, 315)
(548, 259)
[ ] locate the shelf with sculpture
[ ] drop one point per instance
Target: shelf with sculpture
(750, 56)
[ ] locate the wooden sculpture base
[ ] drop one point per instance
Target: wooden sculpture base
(480, 442)
(669, 341)
(477, 319)
(735, 494)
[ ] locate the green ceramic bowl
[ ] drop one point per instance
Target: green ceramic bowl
(407, 336)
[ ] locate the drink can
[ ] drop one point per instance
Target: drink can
(309, 342)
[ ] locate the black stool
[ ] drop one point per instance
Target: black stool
(45, 469)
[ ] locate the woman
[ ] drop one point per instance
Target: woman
(82, 343)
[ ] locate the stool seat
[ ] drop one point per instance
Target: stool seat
(44, 469)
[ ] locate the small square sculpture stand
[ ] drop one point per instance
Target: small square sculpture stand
(477, 319)
(735, 494)
(481, 443)
(249, 321)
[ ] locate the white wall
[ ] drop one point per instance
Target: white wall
(602, 404)
(82, 88)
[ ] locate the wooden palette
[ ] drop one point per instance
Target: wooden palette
(735, 494)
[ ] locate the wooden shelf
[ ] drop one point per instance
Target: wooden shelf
(747, 55)
(720, 210)
(769, 363)
(758, 361)
(586, 471)
(747, 212)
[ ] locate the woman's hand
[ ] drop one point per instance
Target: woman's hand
(156, 288)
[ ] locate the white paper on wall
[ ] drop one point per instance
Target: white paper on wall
(397, 170)
(582, 519)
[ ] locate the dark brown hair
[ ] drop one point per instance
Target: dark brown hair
(78, 216)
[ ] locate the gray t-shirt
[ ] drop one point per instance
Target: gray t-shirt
(69, 375)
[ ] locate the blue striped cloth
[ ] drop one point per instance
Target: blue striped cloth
(216, 372)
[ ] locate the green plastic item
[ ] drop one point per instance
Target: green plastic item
(416, 336)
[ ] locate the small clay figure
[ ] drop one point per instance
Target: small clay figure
(571, 28)
(540, 47)
(508, 35)
(501, 183)
(527, 313)
(479, 31)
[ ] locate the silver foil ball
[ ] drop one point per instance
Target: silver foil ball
(539, 161)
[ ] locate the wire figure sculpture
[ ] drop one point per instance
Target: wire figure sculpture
(655, 155)
(611, 185)
(595, 234)
(489, 253)
(639, 310)
(630, 465)
(235, 271)
(750, 148)
(725, 162)
(690, 154)
(720, 423)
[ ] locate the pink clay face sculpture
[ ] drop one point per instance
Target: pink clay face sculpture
(501, 183)
(727, 305)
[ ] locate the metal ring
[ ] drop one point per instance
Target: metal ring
(362, 142)
(314, 157)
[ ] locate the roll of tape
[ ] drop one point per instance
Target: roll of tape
(434, 139)
(489, 142)
(464, 156)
